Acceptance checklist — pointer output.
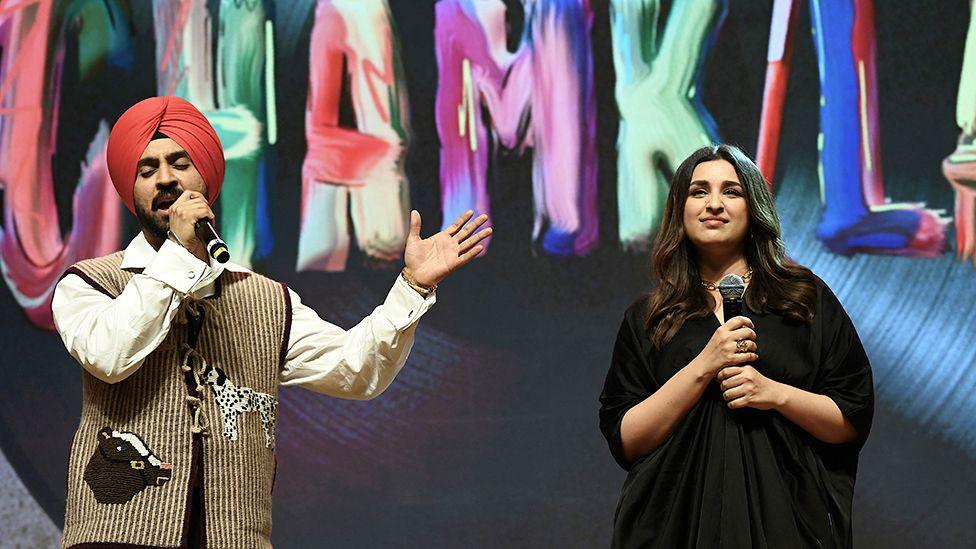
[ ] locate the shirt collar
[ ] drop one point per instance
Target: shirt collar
(140, 252)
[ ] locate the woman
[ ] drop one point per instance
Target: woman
(740, 432)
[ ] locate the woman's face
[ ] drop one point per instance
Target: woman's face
(716, 212)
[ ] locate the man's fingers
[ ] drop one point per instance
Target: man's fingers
(456, 226)
(414, 223)
(194, 210)
(188, 196)
(471, 227)
(470, 242)
(467, 256)
(188, 201)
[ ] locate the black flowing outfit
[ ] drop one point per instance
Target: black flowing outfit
(741, 478)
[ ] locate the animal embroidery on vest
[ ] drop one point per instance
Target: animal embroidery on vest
(233, 400)
(122, 466)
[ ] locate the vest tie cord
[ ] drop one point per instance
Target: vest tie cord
(200, 423)
(192, 307)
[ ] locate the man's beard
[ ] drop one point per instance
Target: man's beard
(155, 226)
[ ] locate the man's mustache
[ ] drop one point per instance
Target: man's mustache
(166, 196)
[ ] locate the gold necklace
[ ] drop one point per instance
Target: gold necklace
(712, 287)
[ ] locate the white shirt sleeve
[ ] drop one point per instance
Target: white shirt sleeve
(110, 338)
(359, 363)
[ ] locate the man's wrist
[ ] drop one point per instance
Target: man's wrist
(195, 247)
(422, 289)
(172, 237)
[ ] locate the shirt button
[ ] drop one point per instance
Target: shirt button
(191, 274)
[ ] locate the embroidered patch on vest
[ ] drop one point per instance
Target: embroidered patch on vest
(233, 400)
(122, 466)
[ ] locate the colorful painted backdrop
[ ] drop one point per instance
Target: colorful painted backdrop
(563, 120)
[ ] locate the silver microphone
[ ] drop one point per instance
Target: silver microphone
(732, 287)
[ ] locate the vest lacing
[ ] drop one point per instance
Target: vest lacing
(200, 423)
(191, 311)
(192, 305)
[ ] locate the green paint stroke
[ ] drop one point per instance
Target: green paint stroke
(662, 118)
(241, 87)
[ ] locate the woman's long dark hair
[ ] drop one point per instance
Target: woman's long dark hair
(778, 285)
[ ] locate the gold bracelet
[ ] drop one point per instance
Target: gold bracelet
(420, 289)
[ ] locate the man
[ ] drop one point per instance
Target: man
(182, 356)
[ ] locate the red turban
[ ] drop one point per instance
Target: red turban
(177, 119)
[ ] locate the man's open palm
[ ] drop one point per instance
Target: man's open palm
(431, 259)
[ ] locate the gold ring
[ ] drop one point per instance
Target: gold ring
(741, 346)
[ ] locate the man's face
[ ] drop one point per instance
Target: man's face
(164, 171)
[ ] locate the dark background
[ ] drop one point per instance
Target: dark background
(489, 436)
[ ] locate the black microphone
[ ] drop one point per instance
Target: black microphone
(216, 247)
(731, 287)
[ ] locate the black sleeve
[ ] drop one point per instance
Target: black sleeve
(845, 372)
(629, 380)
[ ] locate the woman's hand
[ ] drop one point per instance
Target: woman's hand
(745, 387)
(723, 350)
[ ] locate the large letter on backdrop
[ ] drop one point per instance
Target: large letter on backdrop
(541, 96)
(778, 61)
(662, 117)
(32, 251)
(960, 166)
(245, 80)
(185, 68)
(857, 217)
(354, 173)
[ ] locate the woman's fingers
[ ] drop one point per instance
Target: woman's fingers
(737, 322)
(744, 346)
(728, 372)
(743, 333)
(734, 393)
(743, 358)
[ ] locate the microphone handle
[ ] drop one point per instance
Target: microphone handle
(731, 307)
(216, 247)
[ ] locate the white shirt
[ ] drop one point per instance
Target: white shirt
(111, 338)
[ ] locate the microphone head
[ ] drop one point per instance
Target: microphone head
(732, 286)
(218, 250)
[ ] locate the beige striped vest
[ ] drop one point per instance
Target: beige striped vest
(131, 458)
